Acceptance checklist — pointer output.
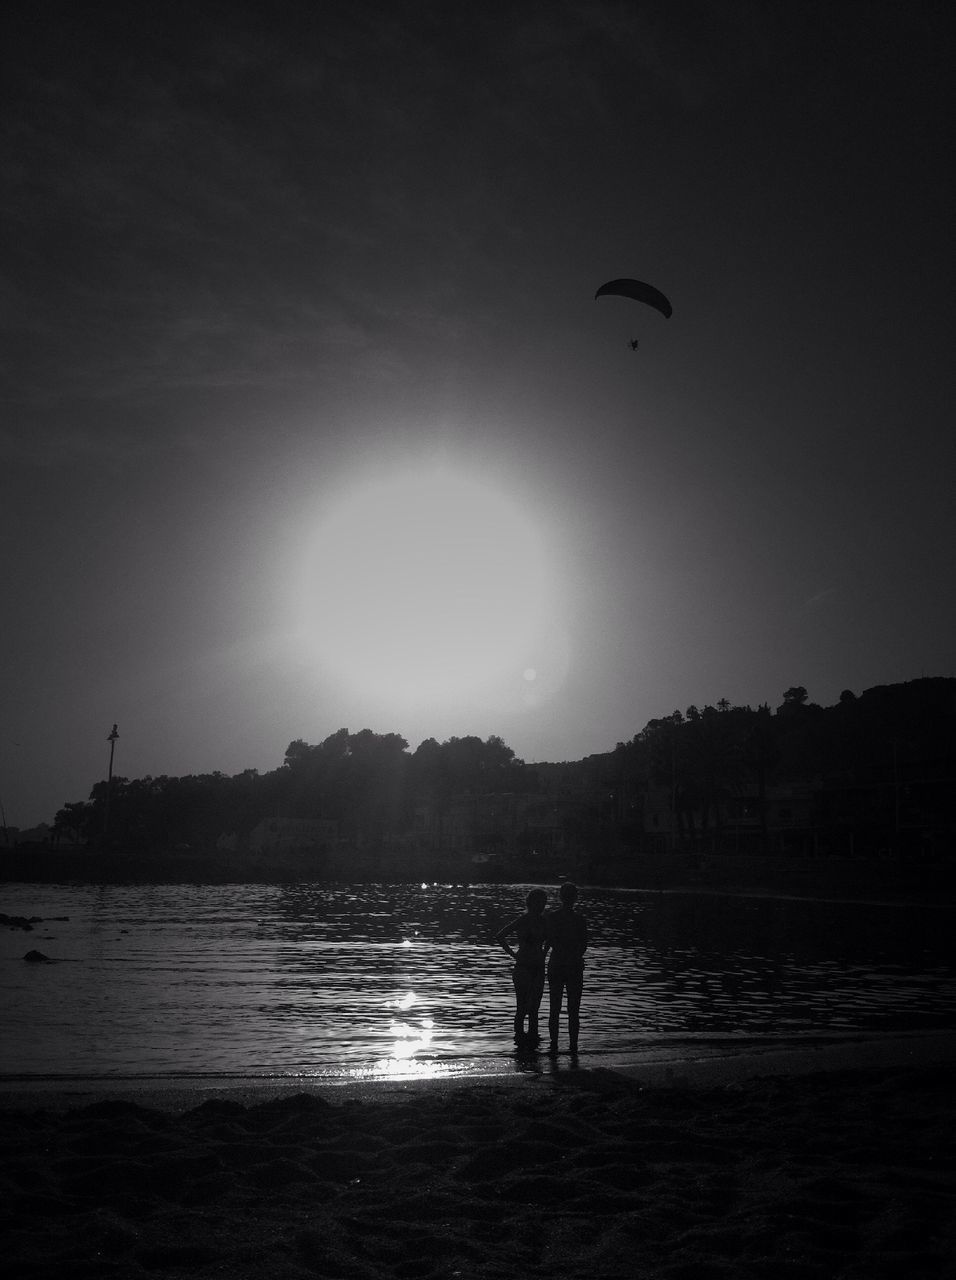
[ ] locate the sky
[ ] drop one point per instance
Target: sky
(309, 417)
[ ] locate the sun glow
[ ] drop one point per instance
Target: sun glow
(425, 586)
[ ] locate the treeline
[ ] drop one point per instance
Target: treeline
(884, 759)
(367, 784)
(879, 763)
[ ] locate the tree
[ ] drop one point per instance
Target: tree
(298, 753)
(73, 820)
(712, 761)
(794, 698)
(761, 755)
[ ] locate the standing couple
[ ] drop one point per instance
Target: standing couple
(562, 937)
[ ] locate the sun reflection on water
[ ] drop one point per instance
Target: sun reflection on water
(408, 1040)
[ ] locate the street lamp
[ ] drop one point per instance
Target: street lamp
(111, 739)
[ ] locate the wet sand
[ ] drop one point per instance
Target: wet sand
(684, 1171)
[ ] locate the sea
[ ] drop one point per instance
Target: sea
(339, 982)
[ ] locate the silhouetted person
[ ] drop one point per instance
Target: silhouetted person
(567, 936)
(528, 971)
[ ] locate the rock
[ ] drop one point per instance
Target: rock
(19, 922)
(37, 957)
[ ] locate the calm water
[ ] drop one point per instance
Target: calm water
(373, 980)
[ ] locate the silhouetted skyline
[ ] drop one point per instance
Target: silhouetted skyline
(311, 418)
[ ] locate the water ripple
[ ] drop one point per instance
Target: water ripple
(383, 979)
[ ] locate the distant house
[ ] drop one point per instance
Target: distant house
(32, 835)
(554, 828)
(738, 827)
(501, 827)
(481, 824)
(288, 835)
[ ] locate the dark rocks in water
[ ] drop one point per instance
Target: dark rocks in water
(19, 922)
(37, 957)
(25, 922)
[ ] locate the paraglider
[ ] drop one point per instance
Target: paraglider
(640, 292)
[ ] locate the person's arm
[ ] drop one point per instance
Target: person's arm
(502, 934)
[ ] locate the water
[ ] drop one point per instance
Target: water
(365, 981)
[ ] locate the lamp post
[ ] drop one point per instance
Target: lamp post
(111, 739)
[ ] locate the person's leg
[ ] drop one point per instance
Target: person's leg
(575, 987)
(518, 979)
(534, 1002)
(555, 990)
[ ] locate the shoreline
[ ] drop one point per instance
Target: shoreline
(702, 1065)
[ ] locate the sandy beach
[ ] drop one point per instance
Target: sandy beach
(578, 1173)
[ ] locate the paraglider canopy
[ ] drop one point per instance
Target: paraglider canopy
(640, 292)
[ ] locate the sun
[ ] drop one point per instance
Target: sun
(425, 586)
